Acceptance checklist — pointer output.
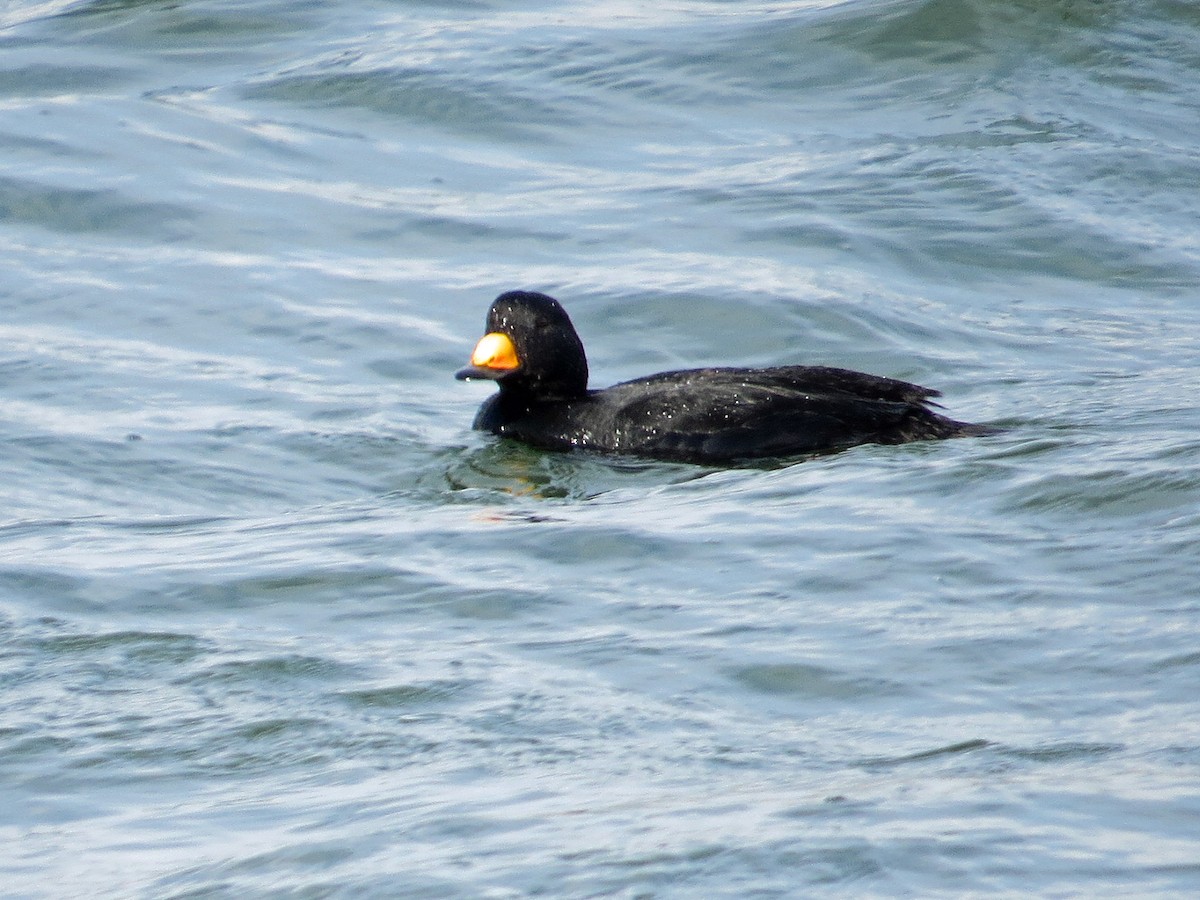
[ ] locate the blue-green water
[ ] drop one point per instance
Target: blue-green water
(275, 622)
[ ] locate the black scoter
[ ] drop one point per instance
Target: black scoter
(715, 415)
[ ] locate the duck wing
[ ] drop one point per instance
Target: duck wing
(717, 415)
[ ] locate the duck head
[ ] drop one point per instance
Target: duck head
(530, 346)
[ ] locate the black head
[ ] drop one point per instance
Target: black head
(530, 345)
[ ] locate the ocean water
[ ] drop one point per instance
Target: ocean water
(275, 622)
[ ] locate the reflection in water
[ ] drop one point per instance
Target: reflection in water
(519, 471)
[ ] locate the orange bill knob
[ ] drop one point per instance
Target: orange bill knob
(495, 355)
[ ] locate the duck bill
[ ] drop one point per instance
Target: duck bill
(494, 357)
(471, 373)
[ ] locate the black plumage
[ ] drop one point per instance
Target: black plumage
(712, 415)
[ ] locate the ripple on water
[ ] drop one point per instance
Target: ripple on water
(273, 619)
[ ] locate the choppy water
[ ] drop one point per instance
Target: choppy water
(274, 622)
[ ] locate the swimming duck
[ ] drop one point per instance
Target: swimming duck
(710, 416)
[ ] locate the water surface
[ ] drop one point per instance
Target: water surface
(275, 622)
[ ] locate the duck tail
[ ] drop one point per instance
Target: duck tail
(949, 428)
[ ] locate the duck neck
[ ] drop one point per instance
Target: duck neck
(527, 393)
